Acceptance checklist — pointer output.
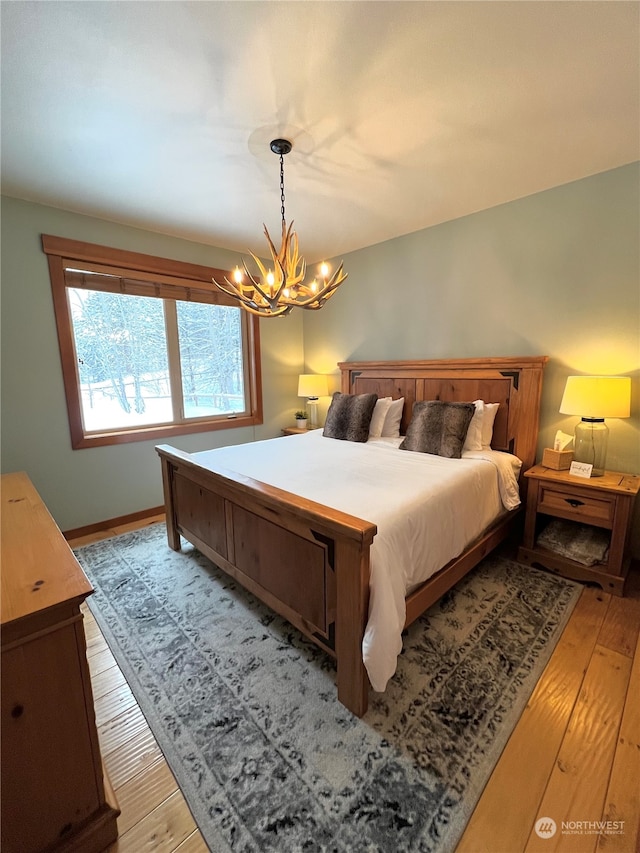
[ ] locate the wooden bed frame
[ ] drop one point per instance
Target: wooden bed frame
(310, 563)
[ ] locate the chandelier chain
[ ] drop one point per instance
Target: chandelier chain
(282, 188)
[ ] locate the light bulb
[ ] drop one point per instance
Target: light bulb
(237, 275)
(270, 278)
(324, 270)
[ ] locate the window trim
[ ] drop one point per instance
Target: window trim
(173, 275)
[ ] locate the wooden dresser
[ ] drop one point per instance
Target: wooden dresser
(55, 796)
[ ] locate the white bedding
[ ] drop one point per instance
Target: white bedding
(427, 510)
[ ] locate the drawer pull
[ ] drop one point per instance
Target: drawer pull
(573, 502)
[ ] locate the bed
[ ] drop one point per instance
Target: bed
(312, 562)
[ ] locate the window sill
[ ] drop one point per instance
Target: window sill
(82, 442)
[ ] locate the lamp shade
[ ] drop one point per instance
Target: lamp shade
(597, 397)
(312, 385)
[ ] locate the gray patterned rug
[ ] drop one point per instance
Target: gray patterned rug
(245, 709)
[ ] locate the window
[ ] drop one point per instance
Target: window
(149, 346)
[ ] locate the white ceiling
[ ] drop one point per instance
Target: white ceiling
(402, 114)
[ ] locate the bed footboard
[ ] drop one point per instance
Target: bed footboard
(305, 561)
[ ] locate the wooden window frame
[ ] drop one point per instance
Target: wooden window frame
(169, 279)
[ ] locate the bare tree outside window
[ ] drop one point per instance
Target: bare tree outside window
(123, 365)
(210, 354)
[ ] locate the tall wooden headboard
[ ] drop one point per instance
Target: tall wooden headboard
(515, 383)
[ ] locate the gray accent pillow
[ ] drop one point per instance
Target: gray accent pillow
(349, 416)
(439, 428)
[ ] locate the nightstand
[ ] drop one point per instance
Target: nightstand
(605, 502)
(293, 431)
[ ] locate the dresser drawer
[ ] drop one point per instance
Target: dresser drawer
(576, 505)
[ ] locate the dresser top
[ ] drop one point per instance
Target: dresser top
(39, 570)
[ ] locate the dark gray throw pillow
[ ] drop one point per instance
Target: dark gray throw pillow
(439, 428)
(349, 416)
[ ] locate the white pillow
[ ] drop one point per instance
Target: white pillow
(473, 441)
(391, 428)
(378, 416)
(490, 412)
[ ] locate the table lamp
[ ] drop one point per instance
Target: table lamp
(312, 386)
(595, 398)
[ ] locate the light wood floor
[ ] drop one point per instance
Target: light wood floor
(574, 755)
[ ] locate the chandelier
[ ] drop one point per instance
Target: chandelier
(274, 292)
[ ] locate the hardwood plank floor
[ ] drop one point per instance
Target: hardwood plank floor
(574, 755)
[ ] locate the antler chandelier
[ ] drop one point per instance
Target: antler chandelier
(274, 292)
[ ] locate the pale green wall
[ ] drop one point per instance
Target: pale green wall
(553, 274)
(85, 486)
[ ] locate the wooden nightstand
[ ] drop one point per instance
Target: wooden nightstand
(605, 502)
(293, 431)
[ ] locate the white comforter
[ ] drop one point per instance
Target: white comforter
(427, 510)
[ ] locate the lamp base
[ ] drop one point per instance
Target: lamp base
(590, 444)
(313, 412)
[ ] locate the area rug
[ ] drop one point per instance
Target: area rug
(245, 709)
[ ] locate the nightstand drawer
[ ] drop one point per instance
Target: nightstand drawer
(599, 510)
